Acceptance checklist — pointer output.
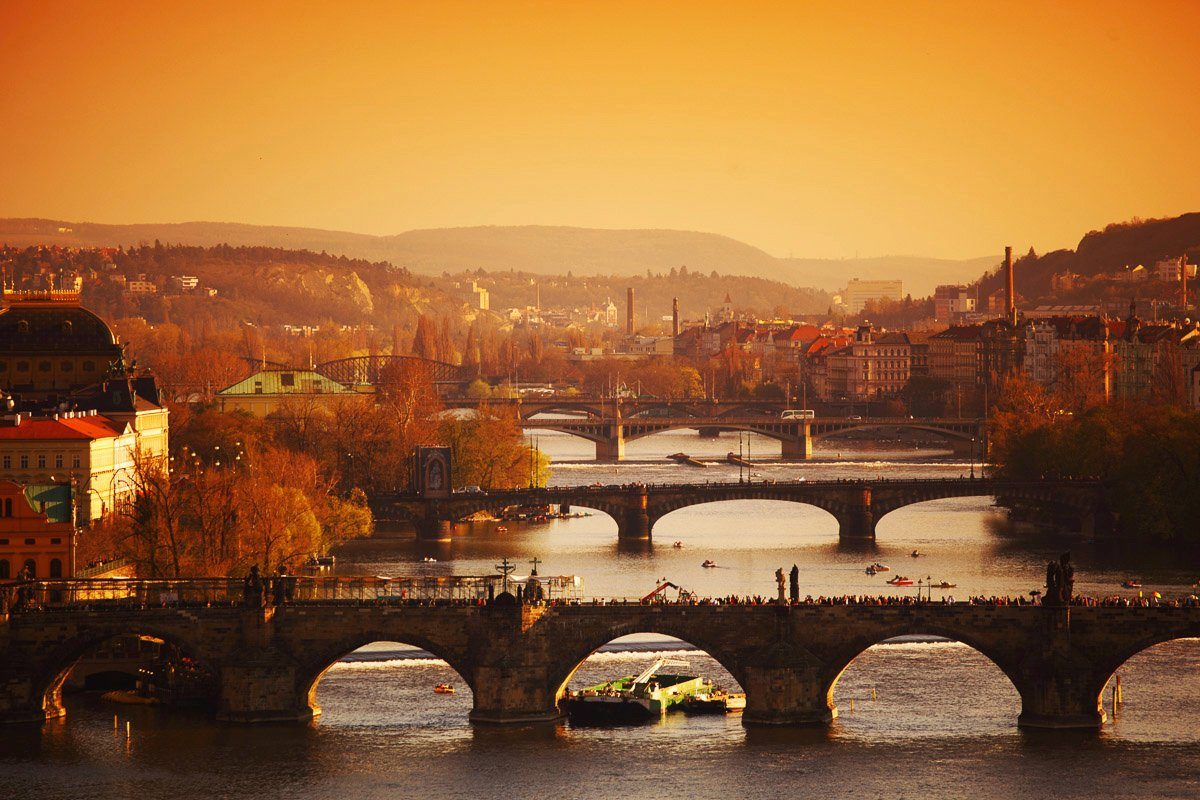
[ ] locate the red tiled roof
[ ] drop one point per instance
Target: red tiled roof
(94, 427)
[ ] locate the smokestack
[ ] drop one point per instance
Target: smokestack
(675, 313)
(1010, 294)
(1183, 265)
(629, 311)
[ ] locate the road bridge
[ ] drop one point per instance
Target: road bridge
(858, 505)
(796, 436)
(267, 662)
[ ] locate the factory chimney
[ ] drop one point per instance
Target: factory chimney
(675, 313)
(629, 311)
(1183, 269)
(1010, 295)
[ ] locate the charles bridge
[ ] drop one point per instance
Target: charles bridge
(267, 661)
(858, 505)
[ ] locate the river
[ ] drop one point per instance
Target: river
(918, 719)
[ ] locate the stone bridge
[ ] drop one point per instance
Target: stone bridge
(517, 660)
(857, 505)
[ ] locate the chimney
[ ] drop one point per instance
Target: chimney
(675, 314)
(1183, 265)
(629, 311)
(1010, 295)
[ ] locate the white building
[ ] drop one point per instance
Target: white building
(859, 292)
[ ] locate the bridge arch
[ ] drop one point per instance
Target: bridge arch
(573, 657)
(847, 655)
(1120, 657)
(50, 667)
(314, 665)
(659, 511)
(533, 414)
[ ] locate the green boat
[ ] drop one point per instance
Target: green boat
(636, 699)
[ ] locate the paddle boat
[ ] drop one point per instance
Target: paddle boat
(443, 688)
(900, 580)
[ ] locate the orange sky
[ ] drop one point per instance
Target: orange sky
(824, 129)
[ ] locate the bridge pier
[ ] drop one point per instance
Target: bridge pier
(611, 449)
(1059, 690)
(778, 695)
(634, 524)
(798, 449)
(433, 529)
(264, 689)
(857, 521)
(512, 678)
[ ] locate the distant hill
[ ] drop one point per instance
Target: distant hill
(1106, 251)
(528, 248)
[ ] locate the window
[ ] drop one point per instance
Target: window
(56, 540)
(31, 567)
(41, 460)
(75, 460)
(3, 366)
(7, 461)
(89, 366)
(258, 387)
(55, 568)
(43, 366)
(3, 541)
(22, 366)
(67, 366)
(24, 461)
(287, 379)
(66, 327)
(23, 326)
(4, 569)
(7, 510)
(31, 541)
(58, 461)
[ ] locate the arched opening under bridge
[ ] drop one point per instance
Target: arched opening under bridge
(737, 524)
(1158, 693)
(383, 683)
(903, 441)
(945, 521)
(629, 655)
(916, 686)
(147, 667)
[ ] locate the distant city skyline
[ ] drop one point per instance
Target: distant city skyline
(812, 129)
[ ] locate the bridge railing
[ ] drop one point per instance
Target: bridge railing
(102, 593)
(713, 485)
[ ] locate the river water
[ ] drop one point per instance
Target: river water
(918, 719)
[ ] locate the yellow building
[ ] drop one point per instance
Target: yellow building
(270, 390)
(92, 453)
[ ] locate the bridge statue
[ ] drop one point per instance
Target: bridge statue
(1060, 581)
(780, 582)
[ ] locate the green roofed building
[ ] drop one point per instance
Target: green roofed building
(269, 390)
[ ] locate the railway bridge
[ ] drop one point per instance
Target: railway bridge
(266, 663)
(858, 505)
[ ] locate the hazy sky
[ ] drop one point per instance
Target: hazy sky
(822, 129)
